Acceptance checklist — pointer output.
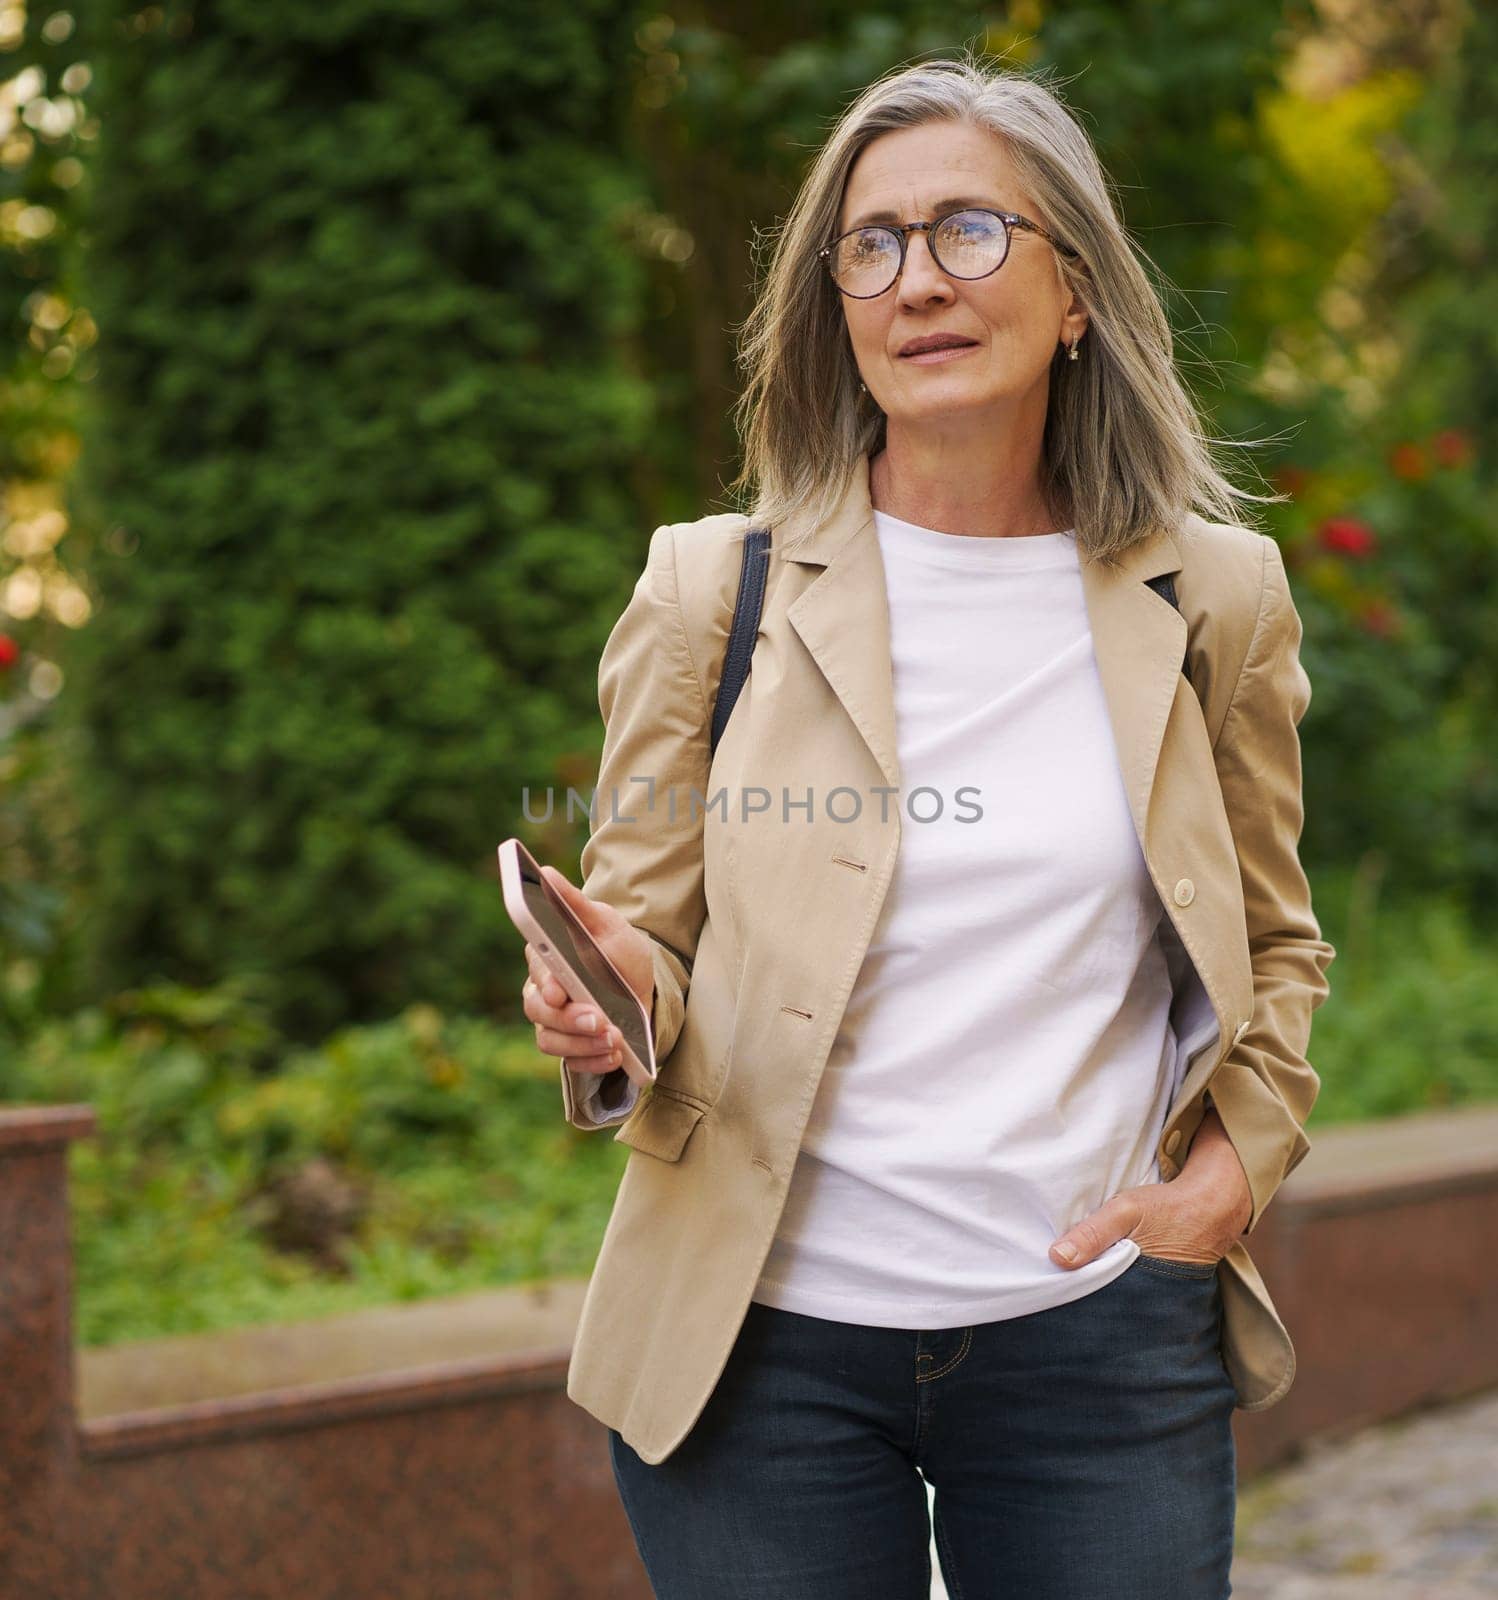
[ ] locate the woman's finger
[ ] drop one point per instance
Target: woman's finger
(579, 1022)
(580, 1017)
(545, 980)
(577, 1046)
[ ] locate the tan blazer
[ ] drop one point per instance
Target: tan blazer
(760, 924)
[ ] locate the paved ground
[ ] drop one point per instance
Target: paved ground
(1405, 1511)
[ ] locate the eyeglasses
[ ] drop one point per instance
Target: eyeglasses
(964, 244)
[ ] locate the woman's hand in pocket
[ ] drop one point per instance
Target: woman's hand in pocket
(578, 1030)
(1196, 1218)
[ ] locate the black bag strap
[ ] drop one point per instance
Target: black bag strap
(1164, 585)
(745, 630)
(750, 602)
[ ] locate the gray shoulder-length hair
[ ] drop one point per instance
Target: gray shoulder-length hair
(1123, 452)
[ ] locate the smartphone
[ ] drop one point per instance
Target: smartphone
(572, 956)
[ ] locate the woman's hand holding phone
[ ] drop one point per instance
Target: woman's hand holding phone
(561, 1029)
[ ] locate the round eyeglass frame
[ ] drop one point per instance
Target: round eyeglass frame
(902, 232)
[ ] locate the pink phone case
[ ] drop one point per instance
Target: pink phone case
(513, 859)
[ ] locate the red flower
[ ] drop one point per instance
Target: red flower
(1347, 536)
(10, 652)
(1410, 462)
(1291, 479)
(1452, 447)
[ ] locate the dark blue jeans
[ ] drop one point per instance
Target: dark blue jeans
(1084, 1452)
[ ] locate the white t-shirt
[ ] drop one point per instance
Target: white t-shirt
(1006, 1060)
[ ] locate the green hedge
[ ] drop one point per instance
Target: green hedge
(352, 488)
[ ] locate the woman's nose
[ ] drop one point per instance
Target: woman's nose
(922, 277)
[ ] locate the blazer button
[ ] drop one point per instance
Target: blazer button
(1185, 892)
(1173, 1143)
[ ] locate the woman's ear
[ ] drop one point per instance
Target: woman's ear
(1076, 319)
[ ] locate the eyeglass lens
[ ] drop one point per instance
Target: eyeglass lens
(968, 244)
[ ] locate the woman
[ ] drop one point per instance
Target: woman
(1000, 957)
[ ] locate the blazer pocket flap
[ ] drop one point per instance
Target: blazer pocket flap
(661, 1125)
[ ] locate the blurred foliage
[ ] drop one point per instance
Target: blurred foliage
(48, 339)
(1391, 540)
(448, 1129)
(1412, 1020)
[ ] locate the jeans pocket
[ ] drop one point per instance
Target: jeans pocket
(1165, 1268)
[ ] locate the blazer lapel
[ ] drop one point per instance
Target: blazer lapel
(842, 616)
(1138, 638)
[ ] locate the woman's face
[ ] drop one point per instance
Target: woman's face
(1015, 316)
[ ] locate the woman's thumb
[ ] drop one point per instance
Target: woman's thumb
(576, 901)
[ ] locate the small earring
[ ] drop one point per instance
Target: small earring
(1072, 354)
(864, 387)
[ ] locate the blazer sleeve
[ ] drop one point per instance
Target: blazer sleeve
(644, 851)
(1265, 1087)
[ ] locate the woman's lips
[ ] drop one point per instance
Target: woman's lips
(928, 358)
